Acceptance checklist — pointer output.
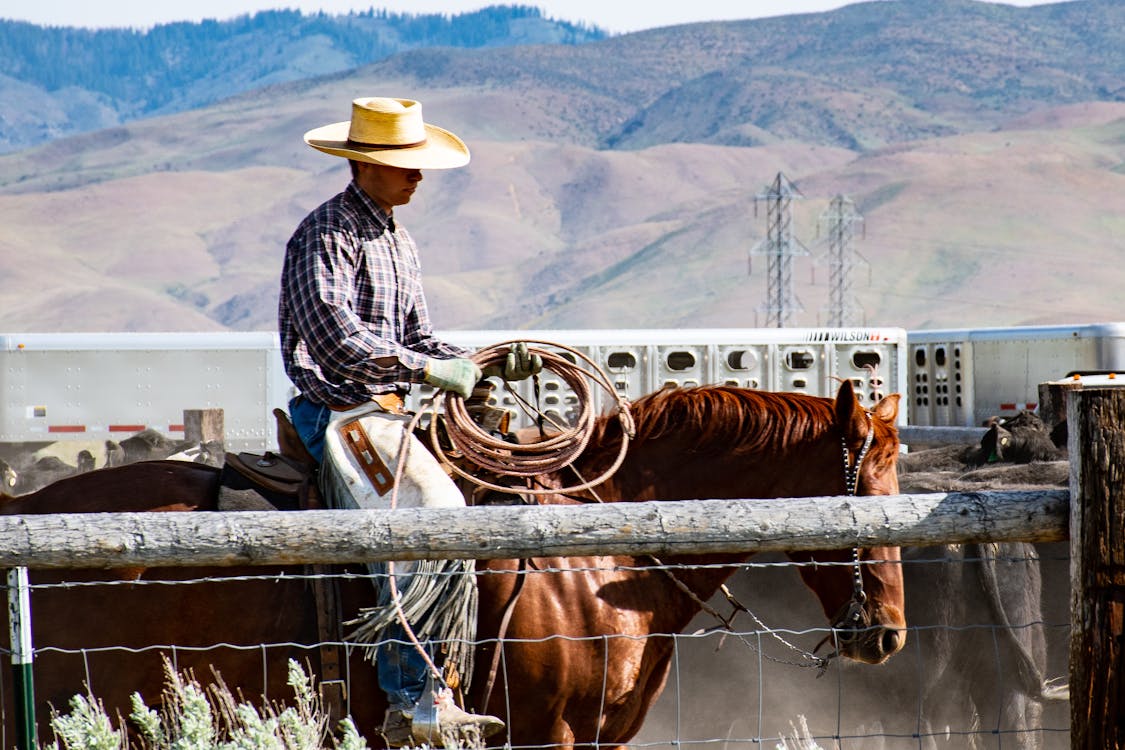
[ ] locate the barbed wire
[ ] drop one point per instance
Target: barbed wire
(545, 570)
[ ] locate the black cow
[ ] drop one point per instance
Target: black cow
(36, 467)
(1020, 439)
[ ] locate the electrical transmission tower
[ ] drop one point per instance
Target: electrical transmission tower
(779, 247)
(841, 219)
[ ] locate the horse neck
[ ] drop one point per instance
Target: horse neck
(687, 589)
(664, 470)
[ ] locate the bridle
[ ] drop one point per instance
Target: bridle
(852, 617)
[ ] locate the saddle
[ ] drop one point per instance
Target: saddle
(286, 480)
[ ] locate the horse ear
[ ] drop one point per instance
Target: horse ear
(887, 408)
(849, 414)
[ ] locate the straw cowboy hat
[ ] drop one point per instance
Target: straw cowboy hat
(391, 132)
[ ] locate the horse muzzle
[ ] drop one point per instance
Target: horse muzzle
(871, 645)
(855, 635)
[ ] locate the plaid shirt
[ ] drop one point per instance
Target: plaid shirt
(351, 292)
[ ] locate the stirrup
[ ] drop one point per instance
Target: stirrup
(424, 726)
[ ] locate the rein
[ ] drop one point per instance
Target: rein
(852, 615)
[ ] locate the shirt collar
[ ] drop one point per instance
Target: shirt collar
(383, 218)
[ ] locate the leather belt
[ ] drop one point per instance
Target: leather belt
(392, 402)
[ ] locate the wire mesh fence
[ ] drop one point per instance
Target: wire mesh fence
(987, 632)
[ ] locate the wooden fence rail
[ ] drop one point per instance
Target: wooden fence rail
(116, 540)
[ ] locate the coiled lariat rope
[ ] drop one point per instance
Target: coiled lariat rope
(554, 451)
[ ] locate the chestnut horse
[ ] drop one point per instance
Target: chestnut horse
(578, 665)
(597, 681)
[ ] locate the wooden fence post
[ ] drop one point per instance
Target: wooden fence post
(1053, 400)
(1096, 438)
(203, 425)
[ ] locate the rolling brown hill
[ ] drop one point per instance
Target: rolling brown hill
(613, 184)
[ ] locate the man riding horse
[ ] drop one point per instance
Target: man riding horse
(355, 333)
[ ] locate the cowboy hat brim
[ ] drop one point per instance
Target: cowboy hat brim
(442, 149)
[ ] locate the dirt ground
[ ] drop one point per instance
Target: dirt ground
(737, 689)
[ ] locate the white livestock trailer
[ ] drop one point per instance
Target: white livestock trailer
(960, 377)
(105, 386)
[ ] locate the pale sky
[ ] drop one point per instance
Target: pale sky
(613, 15)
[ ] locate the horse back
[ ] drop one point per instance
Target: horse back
(137, 487)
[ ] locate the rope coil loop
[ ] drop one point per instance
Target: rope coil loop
(555, 450)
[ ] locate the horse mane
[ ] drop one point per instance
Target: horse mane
(722, 418)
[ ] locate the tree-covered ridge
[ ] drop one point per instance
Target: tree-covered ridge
(120, 61)
(177, 66)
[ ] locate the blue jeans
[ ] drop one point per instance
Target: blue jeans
(401, 669)
(309, 420)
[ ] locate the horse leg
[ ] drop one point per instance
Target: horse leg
(562, 736)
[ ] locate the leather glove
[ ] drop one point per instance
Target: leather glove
(458, 375)
(520, 364)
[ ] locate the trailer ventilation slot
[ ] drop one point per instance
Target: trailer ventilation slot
(799, 360)
(681, 361)
(621, 361)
